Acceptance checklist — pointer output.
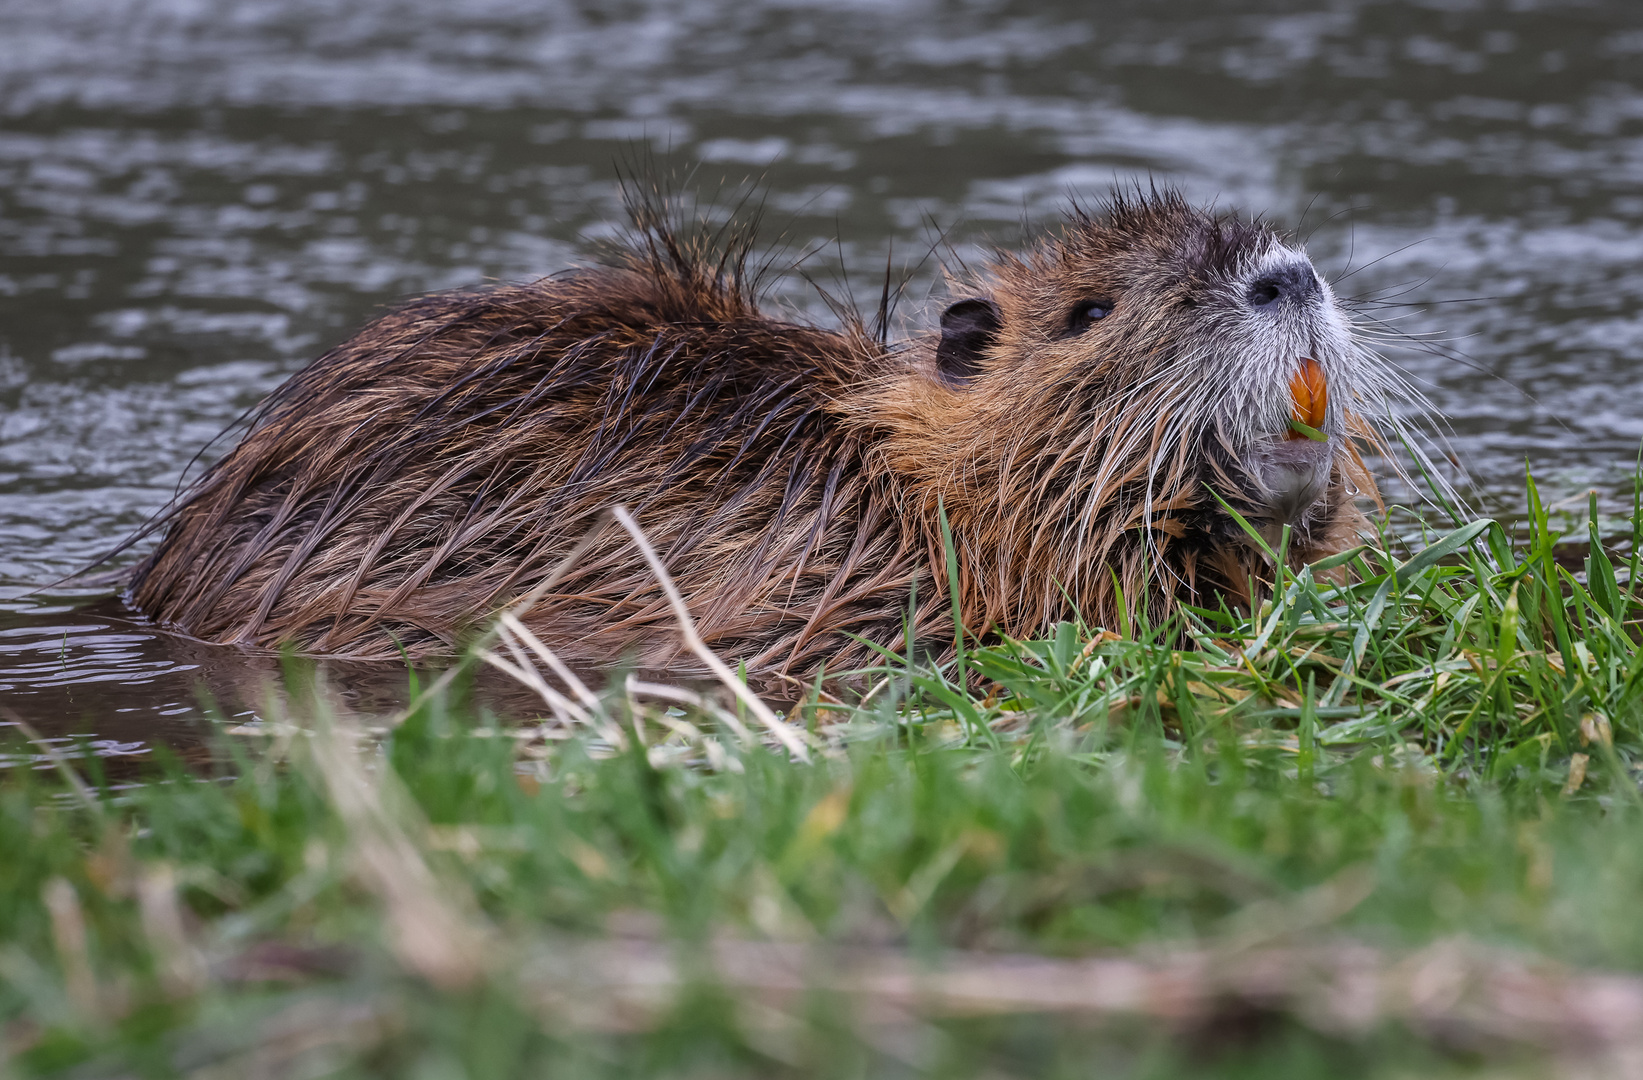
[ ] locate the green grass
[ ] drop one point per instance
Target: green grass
(1484, 652)
(1424, 772)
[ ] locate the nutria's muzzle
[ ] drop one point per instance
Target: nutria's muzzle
(1295, 468)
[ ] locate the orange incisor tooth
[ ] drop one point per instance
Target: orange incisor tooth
(1309, 391)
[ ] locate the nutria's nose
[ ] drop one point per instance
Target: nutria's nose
(1291, 281)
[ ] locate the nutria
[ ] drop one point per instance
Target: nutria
(1075, 416)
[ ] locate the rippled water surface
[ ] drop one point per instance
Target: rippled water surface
(197, 196)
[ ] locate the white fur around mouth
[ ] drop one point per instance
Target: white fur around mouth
(1295, 475)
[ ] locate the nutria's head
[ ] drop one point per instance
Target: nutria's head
(1084, 400)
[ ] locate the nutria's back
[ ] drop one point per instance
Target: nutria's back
(1069, 419)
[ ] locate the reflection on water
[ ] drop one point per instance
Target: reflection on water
(197, 197)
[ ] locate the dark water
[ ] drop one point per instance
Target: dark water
(196, 196)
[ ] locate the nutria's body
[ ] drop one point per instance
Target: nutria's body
(1070, 417)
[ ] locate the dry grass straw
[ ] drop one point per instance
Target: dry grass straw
(1283, 960)
(1454, 992)
(530, 661)
(435, 929)
(518, 608)
(693, 641)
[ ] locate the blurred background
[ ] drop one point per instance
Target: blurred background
(198, 196)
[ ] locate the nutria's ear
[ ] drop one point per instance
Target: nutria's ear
(968, 328)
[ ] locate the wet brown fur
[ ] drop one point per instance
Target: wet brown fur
(426, 473)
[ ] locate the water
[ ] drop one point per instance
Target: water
(197, 196)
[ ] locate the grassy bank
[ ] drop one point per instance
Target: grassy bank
(1381, 828)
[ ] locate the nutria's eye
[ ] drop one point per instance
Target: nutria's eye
(1087, 313)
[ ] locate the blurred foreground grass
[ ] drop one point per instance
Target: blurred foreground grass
(1383, 828)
